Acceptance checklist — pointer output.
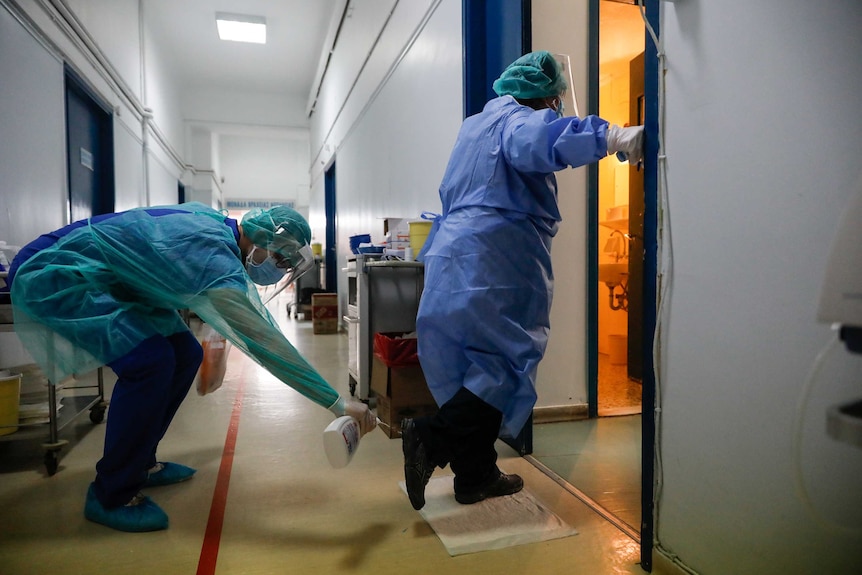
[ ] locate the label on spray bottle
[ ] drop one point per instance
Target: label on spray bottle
(340, 440)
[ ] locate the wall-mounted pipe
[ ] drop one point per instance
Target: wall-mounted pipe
(72, 27)
(69, 24)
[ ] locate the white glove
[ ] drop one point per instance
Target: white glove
(358, 411)
(629, 141)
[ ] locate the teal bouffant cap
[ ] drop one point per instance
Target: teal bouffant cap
(279, 228)
(533, 75)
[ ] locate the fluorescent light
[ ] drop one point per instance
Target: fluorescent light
(241, 28)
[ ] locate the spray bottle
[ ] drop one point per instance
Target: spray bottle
(341, 440)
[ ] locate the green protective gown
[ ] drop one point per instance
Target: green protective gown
(113, 282)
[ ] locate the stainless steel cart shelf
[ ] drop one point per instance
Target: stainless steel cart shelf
(83, 397)
(383, 296)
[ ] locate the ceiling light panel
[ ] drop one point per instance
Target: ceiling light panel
(241, 27)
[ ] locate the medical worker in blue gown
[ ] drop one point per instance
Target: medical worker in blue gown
(106, 290)
(484, 314)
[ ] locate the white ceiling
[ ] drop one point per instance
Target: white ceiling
(185, 33)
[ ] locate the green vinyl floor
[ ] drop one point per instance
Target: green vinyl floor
(600, 457)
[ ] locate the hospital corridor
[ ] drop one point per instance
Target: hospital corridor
(520, 287)
(265, 500)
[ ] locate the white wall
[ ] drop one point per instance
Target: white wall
(33, 170)
(162, 177)
(224, 107)
(115, 24)
(264, 168)
(563, 28)
(393, 135)
(161, 95)
(763, 132)
(362, 25)
(257, 142)
(129, 170)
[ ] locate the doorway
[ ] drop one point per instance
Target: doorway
(89, 151)
(606, 459)
(620, 217)
(330, 253)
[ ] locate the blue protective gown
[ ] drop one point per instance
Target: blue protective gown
(484, 315)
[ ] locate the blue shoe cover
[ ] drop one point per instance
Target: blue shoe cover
(168, 474)
(143, 515)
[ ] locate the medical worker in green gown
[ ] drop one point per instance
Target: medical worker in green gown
(484, 315)
(106, 290)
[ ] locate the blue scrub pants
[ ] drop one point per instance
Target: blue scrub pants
(152, 381)
(462, 434)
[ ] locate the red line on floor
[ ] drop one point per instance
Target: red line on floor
(212, 537)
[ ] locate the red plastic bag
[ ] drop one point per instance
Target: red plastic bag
(213, 367)
(395, 350)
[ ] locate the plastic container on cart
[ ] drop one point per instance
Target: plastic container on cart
(419, 231)
(84, 392)
(10, 396)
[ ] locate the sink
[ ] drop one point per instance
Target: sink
(613, 273)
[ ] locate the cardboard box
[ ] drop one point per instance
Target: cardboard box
(324, 305)
(401, 392)
(404, 385)
(324, 313)
(394, 225)
(396, 233)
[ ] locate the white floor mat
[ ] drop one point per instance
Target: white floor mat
(491, 524)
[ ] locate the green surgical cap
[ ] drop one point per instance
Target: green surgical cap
(533, 75)
(279, 229)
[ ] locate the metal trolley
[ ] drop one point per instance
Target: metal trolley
(382, 296)
(83, 396)
(305, 286)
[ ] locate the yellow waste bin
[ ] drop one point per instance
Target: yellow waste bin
(10, 396)
(418, 234)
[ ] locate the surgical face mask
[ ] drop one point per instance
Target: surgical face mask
(265, 273)
(561, 108)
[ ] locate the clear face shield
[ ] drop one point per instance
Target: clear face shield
(299, 263)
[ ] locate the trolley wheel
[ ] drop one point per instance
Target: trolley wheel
(97, 413)
(52, 460)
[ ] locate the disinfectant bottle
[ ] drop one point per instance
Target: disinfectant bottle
(340, 440)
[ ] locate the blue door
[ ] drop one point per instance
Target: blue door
(330, 257)
(495, 34)
(89, 151)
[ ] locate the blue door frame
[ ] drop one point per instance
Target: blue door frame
(651, 151)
